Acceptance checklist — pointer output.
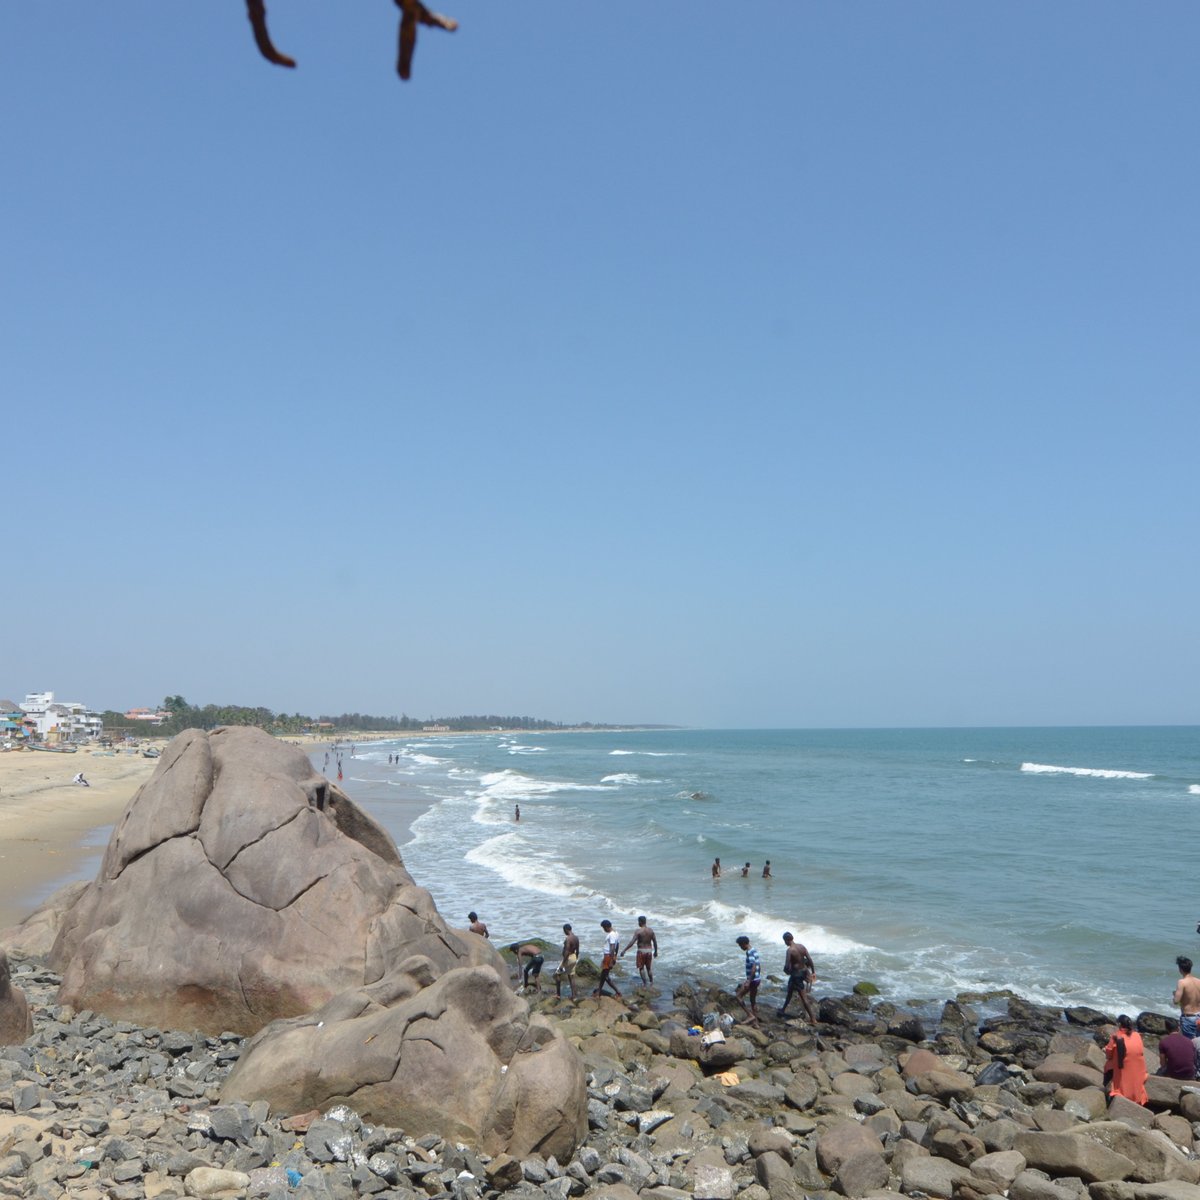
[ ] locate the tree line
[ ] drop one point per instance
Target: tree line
(182, 715)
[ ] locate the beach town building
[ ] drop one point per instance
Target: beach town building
(149, 715)
(11, 717)
(60, 720)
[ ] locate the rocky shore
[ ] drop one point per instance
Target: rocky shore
(868, 1104)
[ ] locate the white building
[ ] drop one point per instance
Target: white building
(64, 721)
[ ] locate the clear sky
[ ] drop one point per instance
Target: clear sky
(772, 364)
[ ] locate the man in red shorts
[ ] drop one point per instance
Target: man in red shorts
(647, 950)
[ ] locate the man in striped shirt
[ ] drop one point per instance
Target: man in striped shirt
(753, 979)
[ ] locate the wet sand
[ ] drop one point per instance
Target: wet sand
(49, 826)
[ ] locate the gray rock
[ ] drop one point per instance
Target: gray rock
(956, 1145)
(861, 1175)
(775, 1174)
(713, 1183)
(647, 1122)
(774, 1140)
(842, 1141)
(1072, 1154)
(1154, 1157)
(802, 1092)
(1000, 1167)
(1035, 1185)
(932, 1176)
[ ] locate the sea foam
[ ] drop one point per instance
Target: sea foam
(510, 857)
(1089, 772)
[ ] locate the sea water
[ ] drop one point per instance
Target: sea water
(1056, 862)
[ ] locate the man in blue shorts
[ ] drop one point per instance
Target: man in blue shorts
(798, 967)
(752, 981)
(532, 970)
(1187, 996)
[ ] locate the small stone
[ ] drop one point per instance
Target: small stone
(713, 1183)
(647, 1122)
(208, 1181)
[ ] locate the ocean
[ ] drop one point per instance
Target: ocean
(1056, 862)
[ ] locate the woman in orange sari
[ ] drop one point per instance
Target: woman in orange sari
(1125, 1063)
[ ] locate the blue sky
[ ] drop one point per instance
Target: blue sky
(798, 364)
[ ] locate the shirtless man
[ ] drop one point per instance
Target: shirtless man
(1187, 996)
(612, 945)
(647, 950)
(476, 925)
(716, 868)
(570, 956)
(798, 967)
(767, 869)
(533, 967)
(746, 871)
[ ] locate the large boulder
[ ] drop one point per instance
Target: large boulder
(241, 886)
(1066, 1072)
(16, 1021)
(456, 1054)
(1072, 1154)
(34, 936)
(840, 1142)
(1154, 1156)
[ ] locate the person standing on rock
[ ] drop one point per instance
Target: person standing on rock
(533, 967)
(612, 947)
(476, 925)
(753, 978)
(798, 967)
(1125, 1063)
(570, 958)
(647, 950)
(1187, 996)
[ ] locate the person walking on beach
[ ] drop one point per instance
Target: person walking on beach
(767, 869)
(476, 925)
(647, 950)
(1125, 1063)
(1176, 1053)
(1187, 996)
(612, 947)
(716, 868)
(570, 957)
(753, 978)
(532, 968)
(798, 967)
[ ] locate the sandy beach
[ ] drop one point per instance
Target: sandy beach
(46, 820)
